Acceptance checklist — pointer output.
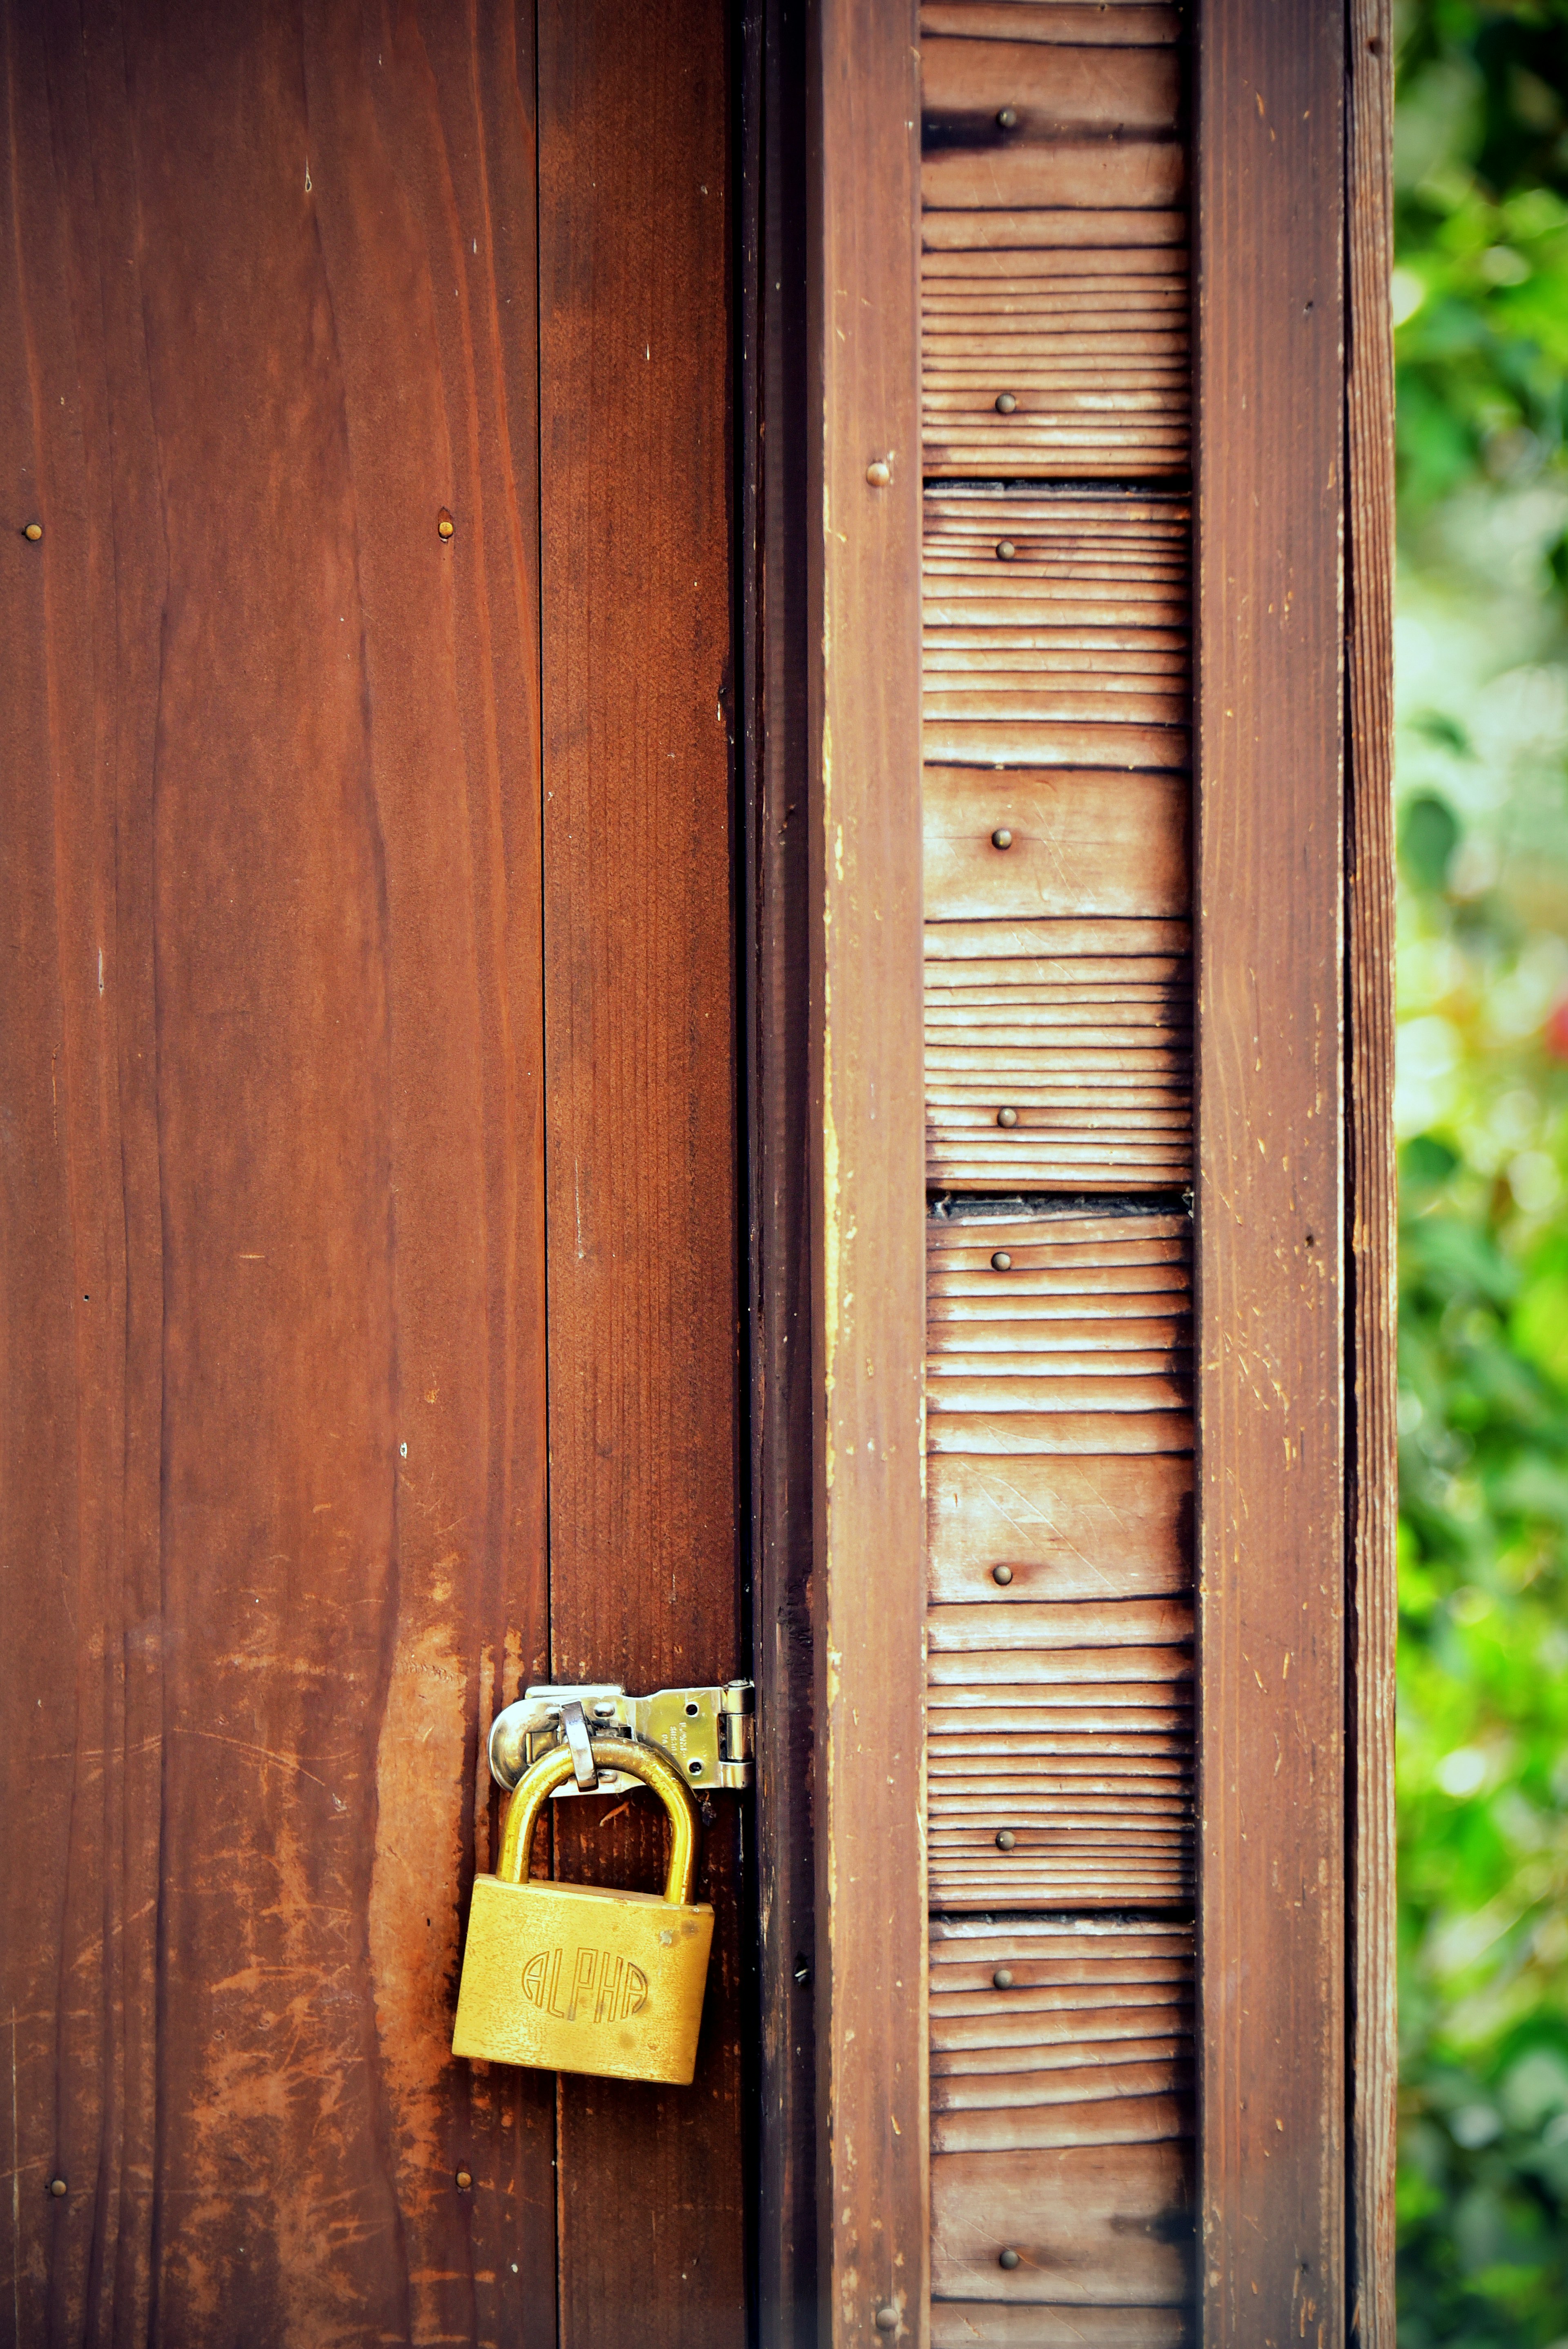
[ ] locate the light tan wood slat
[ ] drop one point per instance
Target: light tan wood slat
(964, 1764)
(1132, 174)
(1121, 1996)
(1048, 508)
(1105, 944)
(1035, 2088)
(1067, 1391)
(1055, 1238)
(969, 1943)
(971, 241)
(978, 2324)
(1160, 2123)
(1117, 298)
(1000, 1624)
(1066, 1432)
(1059, 2041)
(1051, 89)
(1125, 1305)
(1070, 1286)
(1122, 26)
(1038, 1064)
(978, 1672)
(981, 1364)
(950, 1171)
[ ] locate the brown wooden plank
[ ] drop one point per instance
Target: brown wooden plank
(1113, 2126)
(640, 961)
(867, 1198)
(1270, 1191)
(1064, 1528)
(1014, 1623)
(274, 1492)
(1075, 23)
(1081, 844)
(1050, 89)
(1113, 175)
(776, 667)
(1092, 2224)
(1106, 947)
(1369, 905)
(982, 2324)
(1067, 229)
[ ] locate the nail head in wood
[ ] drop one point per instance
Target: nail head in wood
(1007, 1117)
(445, 525)
(1003, 1978)
(465, 2180)
(34, 531)
(1001, 1261)
(887, 2318)
(1002, 1574)
(1001, 837)
(56, 2187)
(1006, 1838)
(1006, 550)
(878, 473)
(1006, 403)
(1008, 2257)
(1007, 117)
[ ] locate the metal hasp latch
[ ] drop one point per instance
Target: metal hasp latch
(709, 1732)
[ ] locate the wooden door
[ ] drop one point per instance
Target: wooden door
(369, 1262)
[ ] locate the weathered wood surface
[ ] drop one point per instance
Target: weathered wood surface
(775, 668)
(1069, 1529)
(1049, 88)
(1130, 174)
(641, 1022)
(1090, 2223)
(1081, 844)
(274, 1493)
(868, 1595)
(982, 2324)
(1076, 23)
(1270, 1203)
(1370, 942)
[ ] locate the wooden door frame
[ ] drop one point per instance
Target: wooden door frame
(831, 573)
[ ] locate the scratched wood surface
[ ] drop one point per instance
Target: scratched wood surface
(1370, 942)
(641, 973)
(867, 1187)
(274, 1493)
(1271, 1197)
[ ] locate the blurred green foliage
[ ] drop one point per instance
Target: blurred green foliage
(1480, 294)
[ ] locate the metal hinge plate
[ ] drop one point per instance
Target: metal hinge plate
(709, 1732)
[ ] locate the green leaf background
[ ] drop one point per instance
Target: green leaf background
(1481, 298)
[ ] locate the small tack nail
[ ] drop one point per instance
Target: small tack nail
(887, 2318)
(57, 2188)
(465, 2180)
(879, 472)
(1002, 1575)
(445, 525)
(1006, 550)
(1007, 1117)
(34, 531)
(1007, 117)
(1001, 1261)
(1001, 837)
(1003, 1978)
(1006, 1838)
(1006, 403)
(1007, 2258)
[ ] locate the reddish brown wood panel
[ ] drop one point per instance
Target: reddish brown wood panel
(1271, 1294)
(1369, 906)
(641, 970)
(867, 1193)
(272, 1276)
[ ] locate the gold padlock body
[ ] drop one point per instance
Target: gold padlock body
(581, 1978)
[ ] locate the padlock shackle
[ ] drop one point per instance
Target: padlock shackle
(539, 1782)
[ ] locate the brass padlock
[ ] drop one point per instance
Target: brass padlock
(577, 1978)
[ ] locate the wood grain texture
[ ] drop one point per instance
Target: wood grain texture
(1049, 89)
(1270, 1185)
(1073, 1529)
(1096, 174)
(1069, 237)
(1076, 23)
(867, 1193)
(1091, 2223)
(777, 1024)
(641, 970)
(273, 1279)
(1369, 874)
(1083, 844)
(982, 2324)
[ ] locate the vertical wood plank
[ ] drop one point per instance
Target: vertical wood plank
(1369, 906)
(867, 1196)
(1271, 1497)
(777, 1024)
(273, 1233)
(642, 1025)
